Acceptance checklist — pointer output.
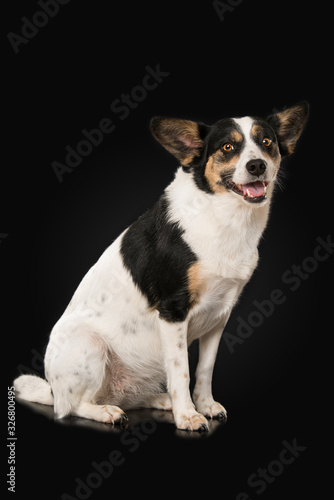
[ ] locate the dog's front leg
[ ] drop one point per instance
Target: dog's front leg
(174, 344)
(208, 347)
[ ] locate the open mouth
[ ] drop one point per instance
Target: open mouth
(253, 192)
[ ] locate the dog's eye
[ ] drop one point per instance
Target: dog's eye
(228, 147)
(266, 141)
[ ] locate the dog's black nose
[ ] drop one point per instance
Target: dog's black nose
(256, 167)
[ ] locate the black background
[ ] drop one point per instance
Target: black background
(261, 57)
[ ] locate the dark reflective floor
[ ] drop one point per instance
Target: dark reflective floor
(136, 417)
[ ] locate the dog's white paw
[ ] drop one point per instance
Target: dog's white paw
(211, 409)
(191, 420)
(101, 413)
(104, 413)
(113, 415)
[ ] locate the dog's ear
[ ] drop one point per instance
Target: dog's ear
(288, 125)
(182, 138)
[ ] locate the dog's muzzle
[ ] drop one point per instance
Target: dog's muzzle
(253, 192)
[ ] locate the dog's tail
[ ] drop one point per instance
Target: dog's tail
(35, 389)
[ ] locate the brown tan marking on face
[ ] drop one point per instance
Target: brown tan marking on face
(236, 136)
(196, 283)
(273, 153)
(216, 167)
(255, 130)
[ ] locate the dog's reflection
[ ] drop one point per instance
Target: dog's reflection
(136, 418)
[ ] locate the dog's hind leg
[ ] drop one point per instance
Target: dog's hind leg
(109, 414)
(75, 366)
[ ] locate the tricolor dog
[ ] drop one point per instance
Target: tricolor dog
(170, 278)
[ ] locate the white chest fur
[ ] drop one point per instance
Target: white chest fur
(223, 232)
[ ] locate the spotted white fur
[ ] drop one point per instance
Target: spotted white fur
(109, 351)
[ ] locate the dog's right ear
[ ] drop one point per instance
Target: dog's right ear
(288, 125)
(182, 138)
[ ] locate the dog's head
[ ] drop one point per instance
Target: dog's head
(240, 156)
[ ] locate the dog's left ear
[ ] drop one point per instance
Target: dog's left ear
(182, 138)
(288, 125)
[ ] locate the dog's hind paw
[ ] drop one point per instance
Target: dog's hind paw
(113, 415)
(102, 413)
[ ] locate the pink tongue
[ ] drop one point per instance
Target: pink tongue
(255, 188)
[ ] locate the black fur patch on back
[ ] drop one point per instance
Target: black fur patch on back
(158, 259)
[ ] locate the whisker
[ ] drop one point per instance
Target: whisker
(279, 181)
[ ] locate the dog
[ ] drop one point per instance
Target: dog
(171, 277)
